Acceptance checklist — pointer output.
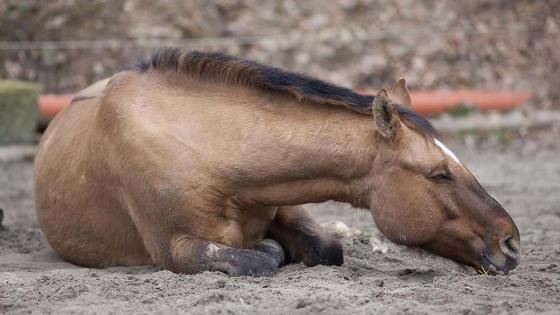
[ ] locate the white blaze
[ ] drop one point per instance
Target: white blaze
(446, 150)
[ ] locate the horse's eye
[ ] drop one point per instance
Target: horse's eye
(441, 176)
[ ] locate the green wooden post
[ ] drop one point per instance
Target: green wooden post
(19, 112)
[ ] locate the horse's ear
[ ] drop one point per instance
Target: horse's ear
(399, 93)
(387, 121)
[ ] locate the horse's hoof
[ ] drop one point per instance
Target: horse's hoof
(324, 251)
(262, 262)
(273, 248)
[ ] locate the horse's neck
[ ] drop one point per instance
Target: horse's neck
(318, 153)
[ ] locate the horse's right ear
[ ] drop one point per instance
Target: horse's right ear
(387, 121)
(400, 94)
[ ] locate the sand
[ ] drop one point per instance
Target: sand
(401, 280)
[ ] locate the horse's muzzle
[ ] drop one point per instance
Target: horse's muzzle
(510, 247)
(506, 260)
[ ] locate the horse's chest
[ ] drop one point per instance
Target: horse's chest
(255, 224)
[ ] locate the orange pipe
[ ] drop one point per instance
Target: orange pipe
(423, 102)
(434, 102)
(52, 104)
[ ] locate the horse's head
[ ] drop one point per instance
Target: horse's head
(424, 196)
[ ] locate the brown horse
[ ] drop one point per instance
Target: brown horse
(198, 161)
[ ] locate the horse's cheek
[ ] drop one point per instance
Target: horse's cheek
(390, 224)
(404, 227)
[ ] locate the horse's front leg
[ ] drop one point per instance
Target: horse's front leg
(304, 239)
(191, 255)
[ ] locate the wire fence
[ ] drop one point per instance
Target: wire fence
(241, 40)
(119, 43)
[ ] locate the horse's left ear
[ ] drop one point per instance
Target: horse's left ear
(385, 116)
(399, 93)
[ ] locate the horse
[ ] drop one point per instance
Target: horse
(200, 161)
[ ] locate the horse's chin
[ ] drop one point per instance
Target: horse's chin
(488, 267)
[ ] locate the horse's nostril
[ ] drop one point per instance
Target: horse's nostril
(509, 247)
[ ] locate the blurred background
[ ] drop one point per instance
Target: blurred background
(67, 44)
(63, 46)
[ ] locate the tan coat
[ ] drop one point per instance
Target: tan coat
(188, 173)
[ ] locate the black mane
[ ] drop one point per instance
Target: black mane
(222, 68)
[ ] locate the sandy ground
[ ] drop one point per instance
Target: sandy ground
(402, 280)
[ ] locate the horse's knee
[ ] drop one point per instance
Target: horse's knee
(323, 251)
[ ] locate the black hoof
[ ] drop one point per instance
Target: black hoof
(266, 258)
(274, 249)
(324, 251)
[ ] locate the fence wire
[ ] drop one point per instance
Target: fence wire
(241, 40)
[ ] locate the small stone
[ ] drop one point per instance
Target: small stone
(378, 246)
(94, 275)
(340, 230)
(405, 272)
(221, 283)
(379, 283)
(302, 304)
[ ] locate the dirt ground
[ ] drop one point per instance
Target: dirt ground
(34, 280)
